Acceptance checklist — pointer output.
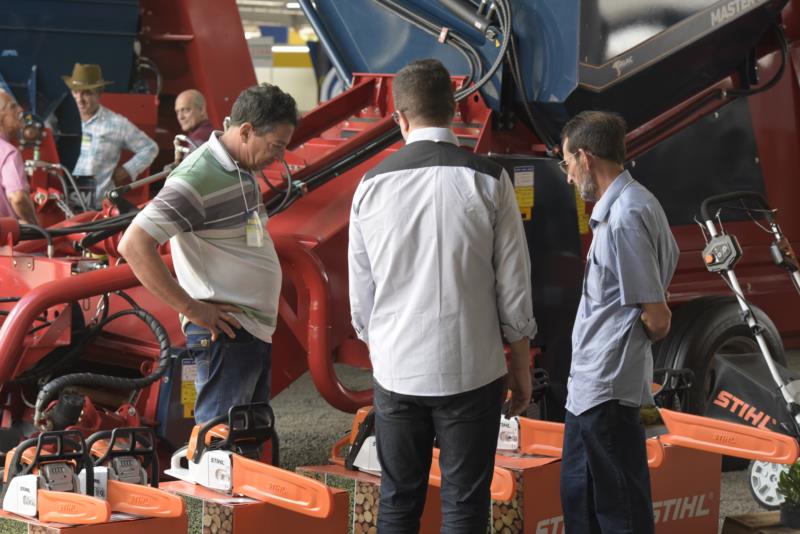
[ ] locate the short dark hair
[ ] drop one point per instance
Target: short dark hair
(423, 91)
(264, 106)
(601, 133)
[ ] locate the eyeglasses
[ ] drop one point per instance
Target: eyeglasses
(563, 164)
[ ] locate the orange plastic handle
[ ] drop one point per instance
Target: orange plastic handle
(541, 438)
(145, 501)
(655, 452)
(282, 488)
(71, 508)
(336, 451)
(732, 439)
(503, 487)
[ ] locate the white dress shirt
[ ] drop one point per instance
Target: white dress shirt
(439, 267)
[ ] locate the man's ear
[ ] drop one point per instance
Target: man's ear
(245, 131)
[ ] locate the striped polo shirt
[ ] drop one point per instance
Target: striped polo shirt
(202, 209)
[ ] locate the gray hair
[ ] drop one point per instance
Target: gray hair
(264, 106)
(601, 133)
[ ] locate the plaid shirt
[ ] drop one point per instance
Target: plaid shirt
(105, 135)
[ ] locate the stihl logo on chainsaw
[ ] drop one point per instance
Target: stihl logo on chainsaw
(141, 500)
(216, 461)
(743, 410)
(66, 508)
(678, 509)
(278, 489)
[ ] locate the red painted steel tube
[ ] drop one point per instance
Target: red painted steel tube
(320, 357)
(77, 287)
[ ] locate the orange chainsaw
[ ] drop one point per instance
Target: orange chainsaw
(363, 456)
(223, 454)
(680, 429)
(41, 480)
(120, 459)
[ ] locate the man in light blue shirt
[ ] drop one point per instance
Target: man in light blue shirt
(605, 482)
(104, 135)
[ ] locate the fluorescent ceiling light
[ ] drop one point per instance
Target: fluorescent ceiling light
(290, 48)
(292, 5)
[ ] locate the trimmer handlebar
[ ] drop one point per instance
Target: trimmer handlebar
(734, 195)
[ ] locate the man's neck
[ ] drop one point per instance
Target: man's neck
(85, 118)
(198, 124)
(414, 126)
(606, 174)
(228, 141)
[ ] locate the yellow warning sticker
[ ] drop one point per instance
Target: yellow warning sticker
(524, 190)
(188, 391)
(583, 217)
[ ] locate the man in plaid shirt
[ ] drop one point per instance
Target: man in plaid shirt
(105, 135)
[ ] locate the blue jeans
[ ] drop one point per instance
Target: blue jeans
(229, 371)
(605, 481)
(465, 427)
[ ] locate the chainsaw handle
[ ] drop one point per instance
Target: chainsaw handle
(733, 195)
(141, 442)
(69, 445)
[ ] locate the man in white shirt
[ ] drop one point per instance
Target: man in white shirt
(439, 274)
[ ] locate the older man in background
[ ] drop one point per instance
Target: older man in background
(190, 108)
(105, 135)
(15, 200)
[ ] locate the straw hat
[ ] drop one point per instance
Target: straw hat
(85, 76)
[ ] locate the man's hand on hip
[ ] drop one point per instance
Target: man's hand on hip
(120, 176)
(215, 317)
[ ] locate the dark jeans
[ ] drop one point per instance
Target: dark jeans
(465, 426)
(229, 371)
(605, 482)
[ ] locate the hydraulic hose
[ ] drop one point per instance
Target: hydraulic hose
(48, 236)
(50, 390)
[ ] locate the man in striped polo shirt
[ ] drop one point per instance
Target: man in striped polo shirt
(229, 277)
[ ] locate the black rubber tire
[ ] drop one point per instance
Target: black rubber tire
(683, 317)
(700, 329)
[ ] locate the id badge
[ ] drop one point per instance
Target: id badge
(254, 230)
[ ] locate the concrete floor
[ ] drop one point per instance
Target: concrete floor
(308, 427)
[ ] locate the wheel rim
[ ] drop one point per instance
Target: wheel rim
(764, 478)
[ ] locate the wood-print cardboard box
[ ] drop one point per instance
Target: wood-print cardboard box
(119, 524)
(757, 523)
(364, 492)
(212, 512)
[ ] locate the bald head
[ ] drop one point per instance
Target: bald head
(190, 108)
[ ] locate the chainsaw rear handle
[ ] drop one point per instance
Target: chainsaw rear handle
(128, 441)
(246, 423)
(726, 197)
(68, 445)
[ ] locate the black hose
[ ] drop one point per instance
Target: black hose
(386, 139)
(42, 232)
(462, 46)
(50, 390)
(784, 49)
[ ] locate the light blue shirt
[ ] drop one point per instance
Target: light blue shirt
(631, 261)
(104, 137)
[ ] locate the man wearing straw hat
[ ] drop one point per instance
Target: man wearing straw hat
(105, 135)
